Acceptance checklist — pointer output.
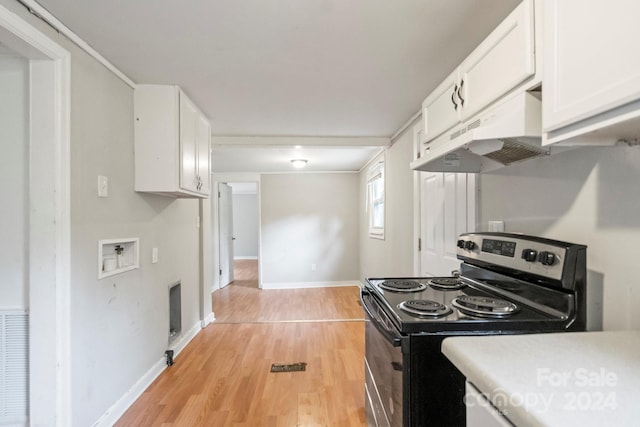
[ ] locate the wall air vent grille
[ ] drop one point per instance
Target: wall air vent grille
(515, 151)
(14, 367)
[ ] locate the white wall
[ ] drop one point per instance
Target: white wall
(119, 325)
(245, 226)
(589, 196)
(393, 256)
(14, 180)
(309, 219)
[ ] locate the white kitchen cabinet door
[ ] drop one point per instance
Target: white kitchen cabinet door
(188, 144)
(441, 109)
(204, 155)
(591, 61)
(500, 63)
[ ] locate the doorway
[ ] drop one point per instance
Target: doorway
(46, 233)
(237, 231)
(245, 233)
(14, 228)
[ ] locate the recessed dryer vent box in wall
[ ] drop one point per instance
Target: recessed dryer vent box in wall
(117, 256)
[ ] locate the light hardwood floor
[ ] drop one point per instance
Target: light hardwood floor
(223, 378)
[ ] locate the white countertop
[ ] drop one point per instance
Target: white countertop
(560, 379)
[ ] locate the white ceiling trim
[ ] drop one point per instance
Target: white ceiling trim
(303, 141)
(42, 13)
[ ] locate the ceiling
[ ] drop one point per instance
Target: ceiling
(313, 68)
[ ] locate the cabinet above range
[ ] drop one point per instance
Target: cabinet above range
(172, 143)
(505, 59)
(483, 117)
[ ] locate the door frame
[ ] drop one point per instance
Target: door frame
(49, 219)
(215, 224)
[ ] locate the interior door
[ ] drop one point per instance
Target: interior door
(225, 219)
(448, 209)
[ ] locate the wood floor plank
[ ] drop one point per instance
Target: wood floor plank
(223, 378)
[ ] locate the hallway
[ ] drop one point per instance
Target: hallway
(223, 376)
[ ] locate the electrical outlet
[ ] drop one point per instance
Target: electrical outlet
(496, 226)
(314, 267)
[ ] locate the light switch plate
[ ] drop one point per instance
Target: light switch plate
(103, 186)
(154, 255)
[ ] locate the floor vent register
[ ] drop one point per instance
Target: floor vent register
(293, 367)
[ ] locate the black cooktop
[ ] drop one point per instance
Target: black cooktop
(522, 319)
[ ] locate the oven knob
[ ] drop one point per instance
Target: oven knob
(547, 258)
(529, 255)
(460, 244)
(469, 245)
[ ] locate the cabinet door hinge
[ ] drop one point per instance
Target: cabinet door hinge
(220, 272)
(419, 244)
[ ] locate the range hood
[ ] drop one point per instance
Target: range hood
(505, 134)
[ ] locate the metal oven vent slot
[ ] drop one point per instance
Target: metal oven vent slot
(513, 151)
(474, 124)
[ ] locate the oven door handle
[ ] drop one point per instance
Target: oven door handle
(382, 325)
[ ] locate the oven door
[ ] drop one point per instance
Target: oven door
(383, 366)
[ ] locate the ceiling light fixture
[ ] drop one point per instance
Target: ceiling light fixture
(299, 163)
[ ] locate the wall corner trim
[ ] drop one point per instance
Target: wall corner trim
(209, 318)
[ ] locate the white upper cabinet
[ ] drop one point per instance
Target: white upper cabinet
(441, 109)
(591, 68)
(504, 60)
(172, 143)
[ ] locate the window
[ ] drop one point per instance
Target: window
(375, 199)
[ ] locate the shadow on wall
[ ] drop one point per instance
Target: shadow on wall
(534, 194)
(539, 192)
(595, 296)
(619, 188)
(155, 202)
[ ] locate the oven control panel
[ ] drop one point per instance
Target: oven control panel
(534, 255)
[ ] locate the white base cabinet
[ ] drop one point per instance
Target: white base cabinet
(480, 412)
(172, 143)
(591, 68)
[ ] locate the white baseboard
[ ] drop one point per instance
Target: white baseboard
(210, 318)
(114, 413)
(303, 285)
(244, 257)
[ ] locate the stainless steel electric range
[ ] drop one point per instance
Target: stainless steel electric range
(507, 284)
